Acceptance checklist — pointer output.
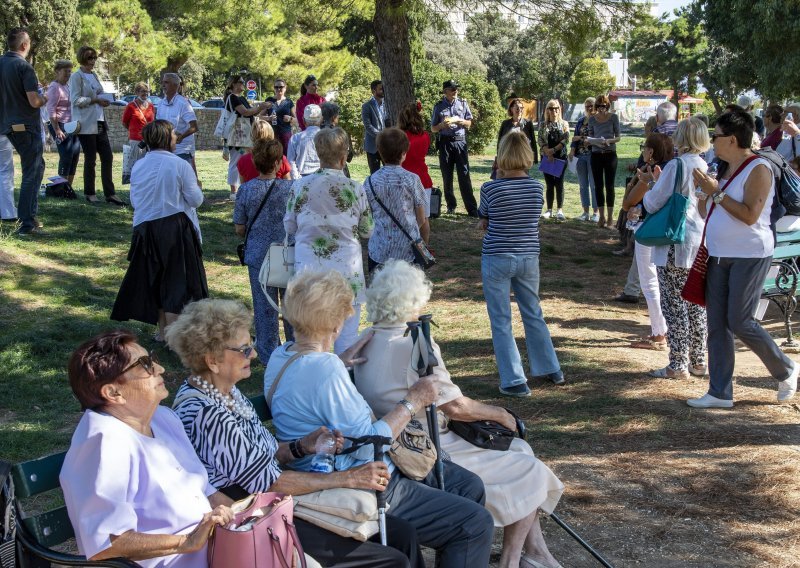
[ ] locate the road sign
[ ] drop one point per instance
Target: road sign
(251, 95)
(251, 85)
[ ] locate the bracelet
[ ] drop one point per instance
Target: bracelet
(296, 448)
(409, 407)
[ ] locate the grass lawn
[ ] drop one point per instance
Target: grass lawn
(650, 482)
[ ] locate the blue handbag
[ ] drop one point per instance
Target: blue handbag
(667, 226)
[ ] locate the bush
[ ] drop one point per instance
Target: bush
(352, 93)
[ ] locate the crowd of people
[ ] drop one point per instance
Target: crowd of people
(149, 483)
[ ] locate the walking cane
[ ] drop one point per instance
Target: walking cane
(378, 442)
(433, 420)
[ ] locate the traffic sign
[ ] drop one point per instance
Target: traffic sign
(251, 85)
(251, 95)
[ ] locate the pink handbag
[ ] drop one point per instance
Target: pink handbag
(269, 540)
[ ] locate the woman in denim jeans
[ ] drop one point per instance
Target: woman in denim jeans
(581, 150)
(509, 211)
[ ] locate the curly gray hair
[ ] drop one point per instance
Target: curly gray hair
(398, 291)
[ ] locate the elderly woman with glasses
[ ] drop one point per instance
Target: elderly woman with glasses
(132, 482)
(604, 125)
(740, 246)
(308, 96)
(553, 141)
(281, 113)
(212, 338)
(138, 114)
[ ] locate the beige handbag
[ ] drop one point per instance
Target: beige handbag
(413, 451)
(351, 513)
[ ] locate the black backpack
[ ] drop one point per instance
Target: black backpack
(8, 517)
(787, 183)
(61, 190)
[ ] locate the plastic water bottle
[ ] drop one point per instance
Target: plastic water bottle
(324, 458)
(712, 172)
(631, 224)
(274, 116)
(789, 116)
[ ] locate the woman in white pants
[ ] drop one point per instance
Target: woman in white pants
(657, 150)
(8, 211)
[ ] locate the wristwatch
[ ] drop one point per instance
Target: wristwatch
(718, 196)
(409, 407)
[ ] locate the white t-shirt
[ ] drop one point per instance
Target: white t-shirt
(116, 480)
(728, 237)
(180, 113)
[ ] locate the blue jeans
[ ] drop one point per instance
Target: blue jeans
(69, 151)
(502, 273)
(29, 146)
(586, 181)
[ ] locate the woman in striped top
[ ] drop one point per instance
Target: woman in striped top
(509, 211)
(212, 338)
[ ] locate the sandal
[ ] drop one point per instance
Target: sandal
(650, 343)
(668, 373)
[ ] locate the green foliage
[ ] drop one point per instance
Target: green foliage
(505, 49)
(453, 54)
(353, 91)
(53, 26)
(591, 78)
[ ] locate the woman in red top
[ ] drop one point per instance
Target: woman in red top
(137, 115)
(308, 90)
(261, 130)
(410, 121)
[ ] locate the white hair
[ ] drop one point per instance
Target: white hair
(745, 102)
(172, 77)
(312, 115)
(398, 291)
(666, 111)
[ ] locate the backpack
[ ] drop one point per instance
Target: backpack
(8, 517)
(61, 190)
(787, 183)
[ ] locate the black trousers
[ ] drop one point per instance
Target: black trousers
(94, 144)
(554, 184)
(604, 169)
(374, 162)
(329, 549)
(453, 155)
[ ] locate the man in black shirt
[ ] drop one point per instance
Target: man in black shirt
(20, 101)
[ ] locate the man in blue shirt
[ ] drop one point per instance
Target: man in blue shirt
(21, 122)
(373, 115)
(451, 119)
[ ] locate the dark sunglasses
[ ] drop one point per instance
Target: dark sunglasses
(553, 108)
(247, 350)
(148, 363)
(600, 106)
(714, 136)
(91, 58)
(279, 87)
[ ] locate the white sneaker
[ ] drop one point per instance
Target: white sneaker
(787, 388)
(547, 214)
(560, 216)
(708, 401)
(595, 218)
(232, 197)
(584, 217)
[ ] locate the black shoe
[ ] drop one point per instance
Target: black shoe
(556, 378)
(29, 231)
(451, 210)
(519, 390)
(473, 213)
(91, 199)
(627, 299)
(114, 200)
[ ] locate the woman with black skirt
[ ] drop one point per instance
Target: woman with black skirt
(166, 260)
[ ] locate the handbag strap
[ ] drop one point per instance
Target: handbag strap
(389, 213)
(676, 188)
(722, 189)
(279, 376)
(258, 211)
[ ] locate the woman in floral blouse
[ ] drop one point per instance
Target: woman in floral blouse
(328, 214)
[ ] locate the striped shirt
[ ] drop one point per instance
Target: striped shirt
(513, 207)
(401, 192)
(233, 450)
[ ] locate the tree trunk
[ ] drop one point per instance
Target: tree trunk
(394, 55)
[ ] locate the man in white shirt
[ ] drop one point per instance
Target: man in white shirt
(176, 109)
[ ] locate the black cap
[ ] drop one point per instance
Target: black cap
(450, 84)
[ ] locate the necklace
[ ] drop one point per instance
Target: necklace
(234, 402)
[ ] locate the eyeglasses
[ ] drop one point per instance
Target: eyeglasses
(247, 350)
(148, 363)
(598, 107)
(91, 58)
(553, 108)
(278, 87)
(714, 136)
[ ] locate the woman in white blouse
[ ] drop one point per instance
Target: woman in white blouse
(87, 108)
(740, 246)
(686, 322)
(132, 483)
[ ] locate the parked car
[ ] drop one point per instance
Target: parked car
(215, 102)
(155, 99)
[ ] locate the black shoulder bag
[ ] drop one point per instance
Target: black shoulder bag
(488, 434)
(240, 248)
(422, 256)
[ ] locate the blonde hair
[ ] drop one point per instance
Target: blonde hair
(141, 86)
(546, 116)
(332, 145)
(398, 291)
(317, 303)
(261, 130)
(204, 328)
(514, 152)
(691, 136)
(589, 100)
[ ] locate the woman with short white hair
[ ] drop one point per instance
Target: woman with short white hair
(686, 322)
(517, 484)
(302, 152)
(328, 215)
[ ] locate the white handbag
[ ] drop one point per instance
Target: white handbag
(277, 268)
(226, 122)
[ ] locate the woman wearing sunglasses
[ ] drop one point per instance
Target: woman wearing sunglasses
(281, 111)
(212, 338)
(132, 482)
(553, 141)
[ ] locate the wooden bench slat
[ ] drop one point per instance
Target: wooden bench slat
(37, 476)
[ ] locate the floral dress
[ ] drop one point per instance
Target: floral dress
(328, 214)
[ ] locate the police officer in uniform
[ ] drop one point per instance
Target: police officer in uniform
(451, 119)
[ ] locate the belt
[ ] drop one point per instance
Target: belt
(453, 138)
(604, 151)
